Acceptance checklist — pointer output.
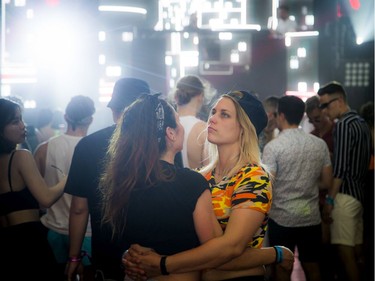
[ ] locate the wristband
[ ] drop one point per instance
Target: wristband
(279, 254)
(74, 259)
(163, 268)
(330, 200)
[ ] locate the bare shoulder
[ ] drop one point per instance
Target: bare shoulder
(41, 150)
(199, 126)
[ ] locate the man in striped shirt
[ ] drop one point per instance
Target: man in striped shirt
(351, 158)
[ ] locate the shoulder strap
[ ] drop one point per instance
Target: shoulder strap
(9, 166)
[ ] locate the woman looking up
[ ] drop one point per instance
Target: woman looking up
(25, 253)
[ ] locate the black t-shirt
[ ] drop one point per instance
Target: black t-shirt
(161, 216)
(83, 181)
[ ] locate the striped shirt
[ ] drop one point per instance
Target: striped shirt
(351, 156)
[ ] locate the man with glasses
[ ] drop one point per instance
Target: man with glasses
(351, 158)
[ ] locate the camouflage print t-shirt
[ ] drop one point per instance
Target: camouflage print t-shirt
(251, 189)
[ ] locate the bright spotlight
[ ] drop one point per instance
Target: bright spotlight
(359, 40)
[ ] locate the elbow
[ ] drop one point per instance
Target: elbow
(237, 251)
(233, 252)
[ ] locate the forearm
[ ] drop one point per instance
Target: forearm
(251, 258)
(77, 229)
(209, 255)
(332, 192)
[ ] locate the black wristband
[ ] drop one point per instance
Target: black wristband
(163, 268)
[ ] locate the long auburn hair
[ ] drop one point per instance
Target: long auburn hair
(133, 157)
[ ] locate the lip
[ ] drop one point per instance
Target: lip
(210, 129)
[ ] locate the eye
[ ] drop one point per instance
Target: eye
(224, 114)
(15, 121)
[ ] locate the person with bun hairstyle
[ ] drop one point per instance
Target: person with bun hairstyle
(189, 98)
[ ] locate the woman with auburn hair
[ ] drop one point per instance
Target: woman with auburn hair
(241, 198)
(146, 198)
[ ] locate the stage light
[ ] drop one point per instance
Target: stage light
(234, 57)
(168, 60)
(294, 63)
(127, 36)
(302, 87)
(102, 59)
(301, 52)
(359, 40)
(122, 9)
(101, 36)
(113, 71)
(242, 46)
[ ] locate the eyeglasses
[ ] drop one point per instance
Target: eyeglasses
(326, 104)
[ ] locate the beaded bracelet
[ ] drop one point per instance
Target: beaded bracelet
(279, 254)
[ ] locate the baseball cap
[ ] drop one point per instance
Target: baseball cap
(79, 108)
(126, 91)
(253, 108)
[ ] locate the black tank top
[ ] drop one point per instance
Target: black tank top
(16, 200)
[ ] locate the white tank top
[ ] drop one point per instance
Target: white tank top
(59, 154)
(188, 123)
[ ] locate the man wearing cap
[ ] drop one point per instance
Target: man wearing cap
(82, 183)
(300, 163)
(53, 159)
(351, 158)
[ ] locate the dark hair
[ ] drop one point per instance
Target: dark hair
(284, 7)
(312, 103)
(188, 87)
(133, 156)
(332, 87)
(293, 109)
(270, 102)
(367, 113)
(8, 110)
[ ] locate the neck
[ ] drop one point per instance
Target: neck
(78, 132)
(346, 109)
(168, 157)
(190, 109)
(288, 126)
(228, 157)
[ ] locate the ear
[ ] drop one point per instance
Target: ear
(171, 134)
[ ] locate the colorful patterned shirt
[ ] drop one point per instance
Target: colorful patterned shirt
(251, 189)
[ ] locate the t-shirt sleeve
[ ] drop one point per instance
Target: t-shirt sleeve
(253, 190)
(77, 177)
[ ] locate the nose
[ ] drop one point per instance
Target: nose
(22, 124)
(211, 119)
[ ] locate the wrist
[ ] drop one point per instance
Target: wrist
(279, 254)
(75, 259)
(330, 200)
(163, 267)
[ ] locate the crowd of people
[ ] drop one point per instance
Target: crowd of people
(166, 194)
